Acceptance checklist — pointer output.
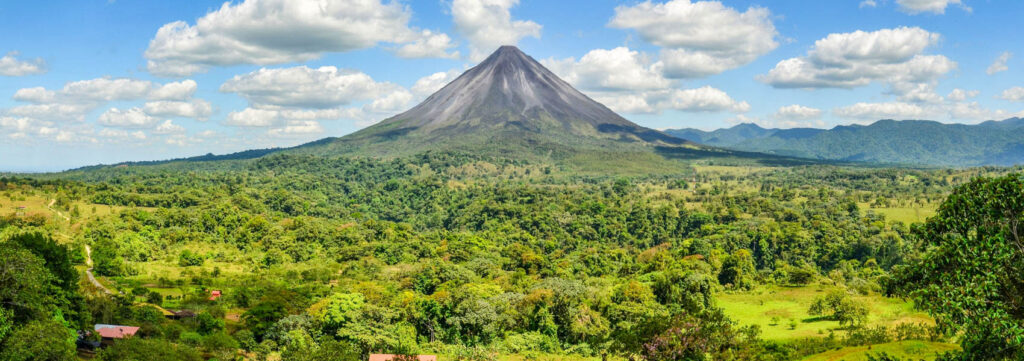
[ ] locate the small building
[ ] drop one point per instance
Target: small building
(214, 295)
(390, 357)
(114, 332)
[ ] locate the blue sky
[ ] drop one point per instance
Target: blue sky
(87, 82)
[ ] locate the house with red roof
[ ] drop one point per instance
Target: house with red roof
(114, 332)
(214, 295)
(389, 357)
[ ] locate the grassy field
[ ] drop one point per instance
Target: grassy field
(790, 304)
(907, 215)
(916, 350)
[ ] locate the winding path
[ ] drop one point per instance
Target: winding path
(88, 271)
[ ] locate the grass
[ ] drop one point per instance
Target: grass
(760, 306)
(907, 215)
(903, 349)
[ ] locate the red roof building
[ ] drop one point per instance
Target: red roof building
(115, 331)
(389, 357)
(214, 295)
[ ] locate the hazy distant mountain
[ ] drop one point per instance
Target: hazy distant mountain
(508, 102)
(918, 142)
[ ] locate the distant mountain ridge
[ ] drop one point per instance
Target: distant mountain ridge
(910, 142)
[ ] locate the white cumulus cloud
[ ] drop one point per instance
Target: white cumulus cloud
(928, 6)
(869, 112)
(1015, 94)
(893, 57)
(197, 108)
(999, 64)
(610, 70)
(280, 31)
(126, 118)
(700, 38)
(10, 65)
(797, 112)
(301, 86)
(297, 128)
(431, 83)
(488, 24)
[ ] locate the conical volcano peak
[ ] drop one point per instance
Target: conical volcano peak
(510, 92)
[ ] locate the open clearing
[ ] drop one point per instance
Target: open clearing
(761, 306)
(916, 350)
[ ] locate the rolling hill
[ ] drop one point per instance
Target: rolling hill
(909, 142)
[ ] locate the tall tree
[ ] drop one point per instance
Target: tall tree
(971, 276)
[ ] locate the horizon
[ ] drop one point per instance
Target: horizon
(91, 91)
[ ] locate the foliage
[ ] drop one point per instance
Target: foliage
(839, 306)
(971, 273)
(136, 348)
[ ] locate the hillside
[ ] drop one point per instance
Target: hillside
(911, 142)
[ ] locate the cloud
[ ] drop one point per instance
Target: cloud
(431, 83)
(168, 127)
(961, 95)
(276, 116)
(704, 99)
(1015, 94)
(71, 104)
(175, 91)
(279, 31)
(700, 38)
(868, 4)
(610, 70)
(929, 6)
(429, 45)
(797, 112)
(127, 118)
(301, 86)
(51, 112)
(106, 89)
(875, 111)
(999, 64)
(488, 24)
(10, 65)
(297, 128)
(121, 134)
(626, 81)
(197, 109)
(35, 95)
(893, 57)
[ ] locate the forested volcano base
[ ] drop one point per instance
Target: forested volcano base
(488, 259)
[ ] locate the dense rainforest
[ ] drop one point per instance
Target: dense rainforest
(479, 258)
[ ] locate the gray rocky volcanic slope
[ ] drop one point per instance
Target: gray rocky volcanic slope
(507, 97)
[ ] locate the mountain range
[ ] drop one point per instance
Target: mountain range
(906, 142)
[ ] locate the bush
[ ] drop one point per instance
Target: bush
(530, 341)
(187, 258)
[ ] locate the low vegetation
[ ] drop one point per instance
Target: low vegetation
(485, 258)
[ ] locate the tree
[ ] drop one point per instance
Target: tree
(137, 348)
(709, 335)
(260, 318)
(738, 270)
(839, 306)
(971, 275)
(338, 309)
(24, 284)
(46, 340)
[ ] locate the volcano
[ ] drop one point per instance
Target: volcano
(508, 103)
